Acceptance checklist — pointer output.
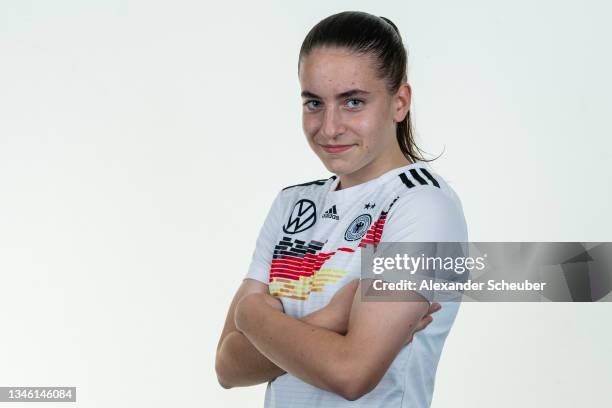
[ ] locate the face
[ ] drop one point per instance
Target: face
(348, 116)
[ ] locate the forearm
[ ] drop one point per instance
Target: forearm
(313, 354)
(242, 365)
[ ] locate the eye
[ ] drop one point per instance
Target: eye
(308, 104)
(355, 100)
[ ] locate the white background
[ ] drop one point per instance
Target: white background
(142, 143)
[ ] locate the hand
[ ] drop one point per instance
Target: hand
(424, 322)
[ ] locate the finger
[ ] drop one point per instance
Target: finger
(424, 322)
(433, 308)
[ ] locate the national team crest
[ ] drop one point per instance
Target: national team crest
(358, 227)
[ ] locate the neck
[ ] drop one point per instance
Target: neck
(371, 171)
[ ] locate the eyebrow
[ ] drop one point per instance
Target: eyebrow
(347, 94)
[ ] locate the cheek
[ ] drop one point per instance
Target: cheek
(366, 147)
(310, 125)
(372, 146)
(367, 135)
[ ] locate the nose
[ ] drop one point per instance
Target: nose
(332, 123)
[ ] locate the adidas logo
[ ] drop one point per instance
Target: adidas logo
(331, 213)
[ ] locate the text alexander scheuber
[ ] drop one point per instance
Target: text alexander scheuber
(457, 264)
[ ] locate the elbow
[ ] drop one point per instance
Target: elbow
(223, 384)
(353, 381)
(223, 381)
(223, 376)
(354, 390)
(352, 394)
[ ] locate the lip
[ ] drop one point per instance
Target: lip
(335, 149)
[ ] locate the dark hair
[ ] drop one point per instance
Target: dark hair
(364, 33)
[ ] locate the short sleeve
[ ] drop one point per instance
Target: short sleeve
(426, 216)
(259, 268)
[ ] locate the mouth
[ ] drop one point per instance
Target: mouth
(336, 149)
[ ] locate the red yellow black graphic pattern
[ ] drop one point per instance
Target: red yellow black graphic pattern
(296, 268)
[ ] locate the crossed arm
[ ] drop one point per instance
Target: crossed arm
(345, 347)
(239, 364)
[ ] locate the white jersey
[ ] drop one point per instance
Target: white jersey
(309, 247)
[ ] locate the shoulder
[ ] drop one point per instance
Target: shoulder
(303, 192)
(424, 189)
(309, 185)
(425, 206)
(309, 189)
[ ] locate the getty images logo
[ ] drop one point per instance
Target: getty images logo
(331, 213)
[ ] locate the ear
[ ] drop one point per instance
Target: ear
(403, 97)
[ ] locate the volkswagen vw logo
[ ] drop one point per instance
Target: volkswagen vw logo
(303, 216)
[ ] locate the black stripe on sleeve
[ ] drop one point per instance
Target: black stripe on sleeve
(430, 177)
(417, 176)
(405, 180)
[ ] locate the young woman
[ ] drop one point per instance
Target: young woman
(297, 321)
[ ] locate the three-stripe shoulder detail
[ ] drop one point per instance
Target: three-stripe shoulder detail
(412, 178)
(315, 182)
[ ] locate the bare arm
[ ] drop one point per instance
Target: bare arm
(349, 365)
(238, 363)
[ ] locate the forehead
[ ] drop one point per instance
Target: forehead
(330, 70)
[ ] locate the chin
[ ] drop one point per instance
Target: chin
(338, 168)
